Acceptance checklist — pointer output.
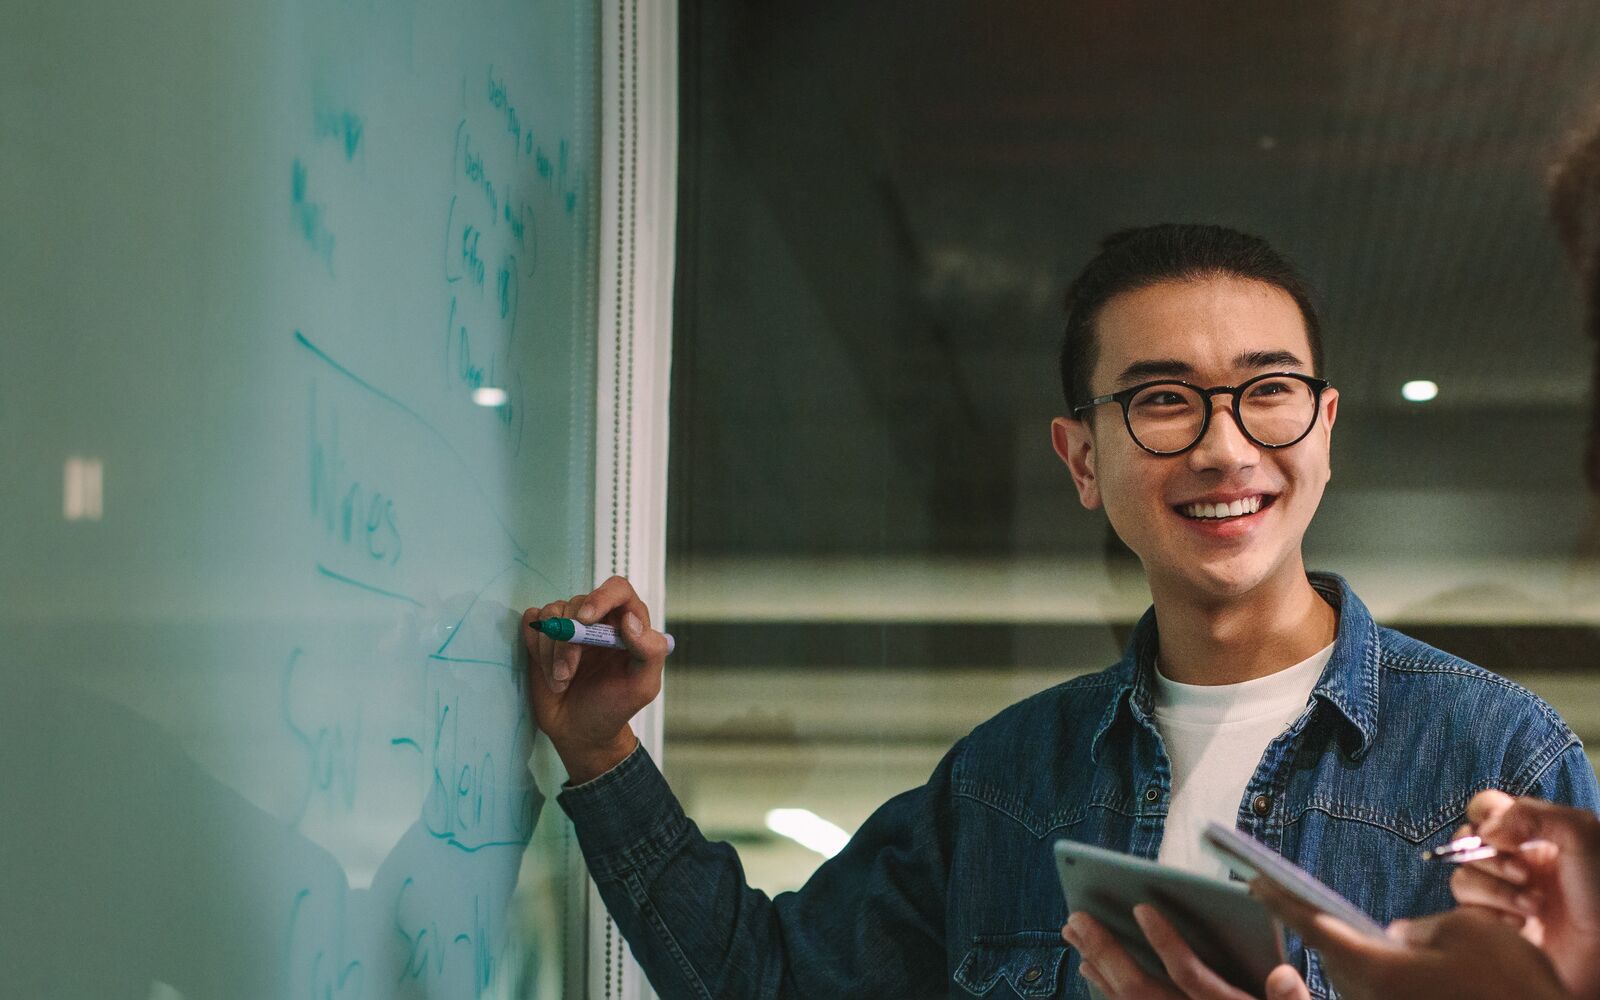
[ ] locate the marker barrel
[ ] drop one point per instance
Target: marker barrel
(574, 631)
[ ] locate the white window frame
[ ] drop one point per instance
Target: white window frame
(636, 238)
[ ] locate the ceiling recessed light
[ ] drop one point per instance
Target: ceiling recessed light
(1419, 391)
(807, 829)
(489, 396)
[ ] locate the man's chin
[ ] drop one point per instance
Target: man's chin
(1230, 580)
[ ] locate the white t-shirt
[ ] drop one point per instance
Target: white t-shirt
(1215, 736)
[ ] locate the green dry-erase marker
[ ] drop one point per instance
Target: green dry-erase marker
(571, 630)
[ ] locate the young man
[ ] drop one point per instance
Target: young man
(1251, 693)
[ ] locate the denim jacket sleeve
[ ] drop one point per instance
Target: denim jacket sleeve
(1569, 780)
(870, 921)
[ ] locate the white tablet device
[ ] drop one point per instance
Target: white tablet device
(1228, 929)
(1251, 859)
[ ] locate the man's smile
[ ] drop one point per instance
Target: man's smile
(1225, 508)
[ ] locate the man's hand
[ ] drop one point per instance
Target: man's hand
(1107, 965)
(583, 696)
(1550, 886)
(1465, 954)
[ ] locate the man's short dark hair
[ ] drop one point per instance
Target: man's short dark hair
(1138, 258)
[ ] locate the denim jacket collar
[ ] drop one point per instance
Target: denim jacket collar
(1349, 682)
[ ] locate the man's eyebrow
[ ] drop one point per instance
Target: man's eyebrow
(1154, 368)
(1268, 359)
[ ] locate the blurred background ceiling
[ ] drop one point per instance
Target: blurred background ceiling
(883, 201)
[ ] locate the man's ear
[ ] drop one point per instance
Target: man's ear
(1074, 443)
(1330, 410)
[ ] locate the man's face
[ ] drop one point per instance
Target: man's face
(1208, 332)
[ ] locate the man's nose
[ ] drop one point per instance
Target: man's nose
(1224, 445)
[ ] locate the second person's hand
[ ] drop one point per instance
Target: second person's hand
(1462, 954)
(1550, 875)
(583, 696)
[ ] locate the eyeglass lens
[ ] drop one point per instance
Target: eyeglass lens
(1170, 416)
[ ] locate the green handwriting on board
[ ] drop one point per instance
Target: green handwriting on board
(307, 305)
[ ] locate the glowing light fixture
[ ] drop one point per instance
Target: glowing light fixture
(1419, 391)
(489, 396)
(807, 829)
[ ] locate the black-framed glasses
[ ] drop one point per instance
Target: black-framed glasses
(1168, 417)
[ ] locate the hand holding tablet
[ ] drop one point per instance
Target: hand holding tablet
(1230, 933)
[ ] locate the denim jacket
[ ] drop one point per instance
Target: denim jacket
(950, 889)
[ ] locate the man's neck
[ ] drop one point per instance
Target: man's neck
(1268, 630)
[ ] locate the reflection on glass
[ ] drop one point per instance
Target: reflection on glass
(82, 489)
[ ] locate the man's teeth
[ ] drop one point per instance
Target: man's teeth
(1237, 508)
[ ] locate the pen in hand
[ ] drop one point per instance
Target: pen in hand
(1462, 850)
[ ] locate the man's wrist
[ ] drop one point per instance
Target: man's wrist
(588, 763)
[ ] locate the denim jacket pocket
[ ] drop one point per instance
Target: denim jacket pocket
(1029, 962)
(1316, 980)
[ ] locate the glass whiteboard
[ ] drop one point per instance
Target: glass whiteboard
(296, 392)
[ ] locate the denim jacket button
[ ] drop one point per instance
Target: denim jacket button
(1033, 974)
(1152, 793)
(1262, 805)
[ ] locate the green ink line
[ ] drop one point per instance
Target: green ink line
(322, 355)
(330, 574)
(464, 659)
(358, 380)
(475, 848)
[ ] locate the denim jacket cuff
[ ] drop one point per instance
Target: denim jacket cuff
(625, 817)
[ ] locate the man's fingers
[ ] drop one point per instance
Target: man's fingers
(537, 645)
(1118, 974)
(557, 659)
(616, 594)
(645, 643)
(1088, 971)
(1284, 983)
(1183, 966)
(1475, 887)
(565, 666)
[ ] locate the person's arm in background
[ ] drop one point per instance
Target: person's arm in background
(1463, 954)
(1548, 882)
(1552, 884)
(870, 922)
